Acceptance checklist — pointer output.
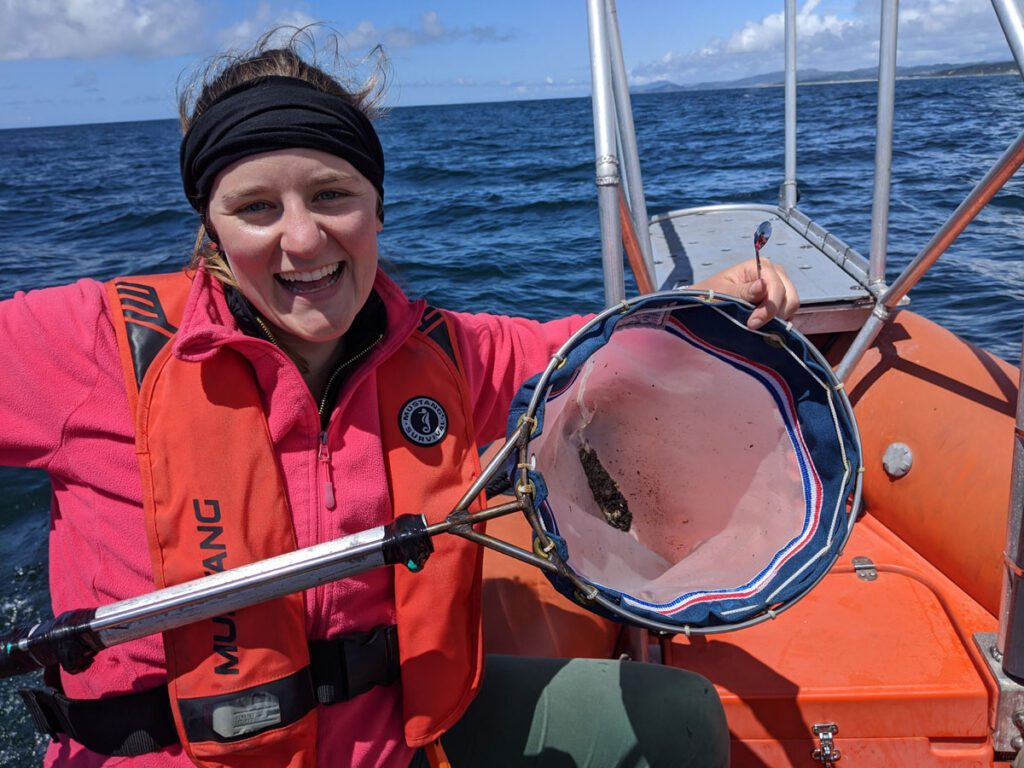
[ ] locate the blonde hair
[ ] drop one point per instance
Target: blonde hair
(284, 52)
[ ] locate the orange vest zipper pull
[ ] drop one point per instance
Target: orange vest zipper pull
(324, 459)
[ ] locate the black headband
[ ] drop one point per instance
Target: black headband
(270, 114)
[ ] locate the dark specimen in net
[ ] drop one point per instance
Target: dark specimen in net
(609, 498)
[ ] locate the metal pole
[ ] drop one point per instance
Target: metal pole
(239, 587)
(789, 189)
(878, 317)
(883, 141)
(1011, 607)
(983, 192)
(1011, 17)
(73, 638)
(627, 140)
(607, 162)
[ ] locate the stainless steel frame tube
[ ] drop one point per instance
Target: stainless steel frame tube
(239, 587)
(789, 188)
(1011, 607)
(979, 197)
(627, 140)
(883, 141)
(607, 162)
(1011, 18)
(864, 339)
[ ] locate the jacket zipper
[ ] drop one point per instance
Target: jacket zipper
(263, 327)
(323, 452)
(324, 459)
(340, 368)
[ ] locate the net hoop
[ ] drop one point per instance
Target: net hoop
(819, 439)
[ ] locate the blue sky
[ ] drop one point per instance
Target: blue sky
(83, 61)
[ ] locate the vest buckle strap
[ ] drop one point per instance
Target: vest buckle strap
(349, 666)
(44, 707)
(144, 722)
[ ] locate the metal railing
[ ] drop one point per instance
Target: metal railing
(607, 160)
(1011, 18)
(883, 143)
(614, 132)
(1011, 608)
(627, 139)
(789, 192)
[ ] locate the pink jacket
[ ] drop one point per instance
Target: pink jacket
(63, 408)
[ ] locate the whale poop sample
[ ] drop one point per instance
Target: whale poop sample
(609, 498)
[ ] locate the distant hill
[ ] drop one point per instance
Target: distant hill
(817, 76)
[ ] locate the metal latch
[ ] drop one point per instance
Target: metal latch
(865, 568)
(826, 752)
(1008, 733)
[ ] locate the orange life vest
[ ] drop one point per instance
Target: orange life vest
(214, 499)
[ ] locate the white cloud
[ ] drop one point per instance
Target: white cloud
(769, 33)
(242, 34)
(950, 30)
(930, 32)
(37, 29)
(46, 29)
(432, 27)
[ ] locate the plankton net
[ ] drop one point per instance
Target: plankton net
(684, 471)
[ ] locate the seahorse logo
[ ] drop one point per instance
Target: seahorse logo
(423, 421)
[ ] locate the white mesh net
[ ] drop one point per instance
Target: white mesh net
(669, 470)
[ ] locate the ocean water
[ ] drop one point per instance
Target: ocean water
(492, 207)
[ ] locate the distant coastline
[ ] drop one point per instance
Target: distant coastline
(770, 80)
(819, 77)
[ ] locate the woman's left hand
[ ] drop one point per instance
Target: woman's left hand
(772, 294)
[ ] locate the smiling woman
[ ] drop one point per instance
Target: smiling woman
(282, 392)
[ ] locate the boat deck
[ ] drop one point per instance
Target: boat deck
(830, 276)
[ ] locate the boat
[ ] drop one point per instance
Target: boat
(908, 652)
